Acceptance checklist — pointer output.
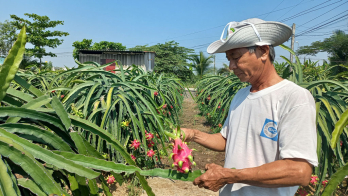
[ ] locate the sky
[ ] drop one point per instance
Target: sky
(192, 23)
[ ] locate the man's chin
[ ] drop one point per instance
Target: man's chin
(243, 79)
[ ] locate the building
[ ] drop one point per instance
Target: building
(144, 59)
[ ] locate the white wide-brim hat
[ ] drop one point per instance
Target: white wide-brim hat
(251, 32)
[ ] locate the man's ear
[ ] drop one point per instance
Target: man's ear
(263, 52)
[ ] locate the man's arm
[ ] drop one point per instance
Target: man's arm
(212, 141)
(281, 173)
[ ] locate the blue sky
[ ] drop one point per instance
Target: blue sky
(193, 24)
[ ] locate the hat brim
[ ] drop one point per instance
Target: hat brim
(272, 33)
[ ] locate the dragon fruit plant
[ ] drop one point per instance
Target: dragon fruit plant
(182, 157)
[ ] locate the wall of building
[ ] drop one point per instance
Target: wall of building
(145, 60)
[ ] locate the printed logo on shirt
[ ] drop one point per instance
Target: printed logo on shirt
(269, 130)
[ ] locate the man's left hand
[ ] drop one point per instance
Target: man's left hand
(214, 178)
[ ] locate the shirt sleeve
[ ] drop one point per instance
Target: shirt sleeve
(297, 133)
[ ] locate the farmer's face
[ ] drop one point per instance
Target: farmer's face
(245, 65)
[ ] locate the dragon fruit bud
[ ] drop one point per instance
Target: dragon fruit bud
(149, 136)
(110, 179)
(150, 153)
(135, 144)
(180, 164)
(190, 158)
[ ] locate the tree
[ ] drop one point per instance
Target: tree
(81, 45)
(201, 63)
(7, 37)
(38, 36)
(169, 57)
(103, 45)
(336, 46)
(224, 70)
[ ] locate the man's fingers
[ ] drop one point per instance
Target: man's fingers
(197, 181)
(209, 165)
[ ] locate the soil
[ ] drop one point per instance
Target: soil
(166, 187)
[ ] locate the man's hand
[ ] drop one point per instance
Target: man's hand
(214, 177)
(189, 134)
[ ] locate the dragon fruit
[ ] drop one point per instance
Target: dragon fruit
(133, 157)
(182, 157)
(149, 136)
(135, 144)
(150, 143)
(150, 153)
(155, 93)
(110, 179)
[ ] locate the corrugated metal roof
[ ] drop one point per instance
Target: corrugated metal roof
(88, 51)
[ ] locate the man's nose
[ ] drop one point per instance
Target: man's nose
(233, 65)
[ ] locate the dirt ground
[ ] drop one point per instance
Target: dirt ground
(166, 187)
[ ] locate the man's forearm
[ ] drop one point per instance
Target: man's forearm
(212, 141)
(281, 173)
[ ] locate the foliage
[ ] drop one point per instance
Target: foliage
(87, 44)
(336, 46)
(214, 95)
(170, 58)
(76, 124)
(7, 37)
(38, 35)
(225, 70)
(280, 67)
(201, 63)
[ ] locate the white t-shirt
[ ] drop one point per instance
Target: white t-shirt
(272, 124)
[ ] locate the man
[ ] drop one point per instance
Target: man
(269, 136)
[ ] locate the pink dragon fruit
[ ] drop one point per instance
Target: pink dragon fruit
(181, 155)
(135, 144)
(133, 157)
(314, 179)
(149, 136)
(110, 179)
(150, 144)
(150, 153)
(164, 106)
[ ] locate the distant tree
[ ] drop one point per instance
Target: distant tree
(201, 64)
(7, 37)
(336, 46)
(39, 36)
(103, 45)
(28, 62)
(80, 45)
(224, 70)
(170, 58)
